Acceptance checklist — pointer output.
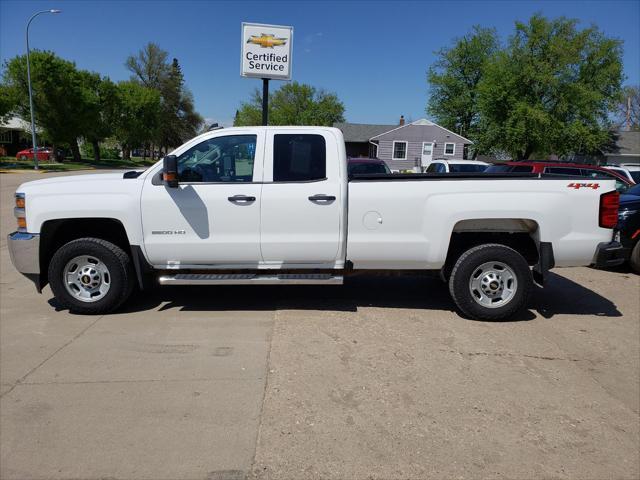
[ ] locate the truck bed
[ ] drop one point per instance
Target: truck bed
(398, 177)
(407, 221)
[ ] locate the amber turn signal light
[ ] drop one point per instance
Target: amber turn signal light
(169, 177)
(22, 222)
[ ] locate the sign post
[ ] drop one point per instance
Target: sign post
(266, 54)
(265, 101)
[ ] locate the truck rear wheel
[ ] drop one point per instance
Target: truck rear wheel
(91, 276)
(634, 259)
(491, 282)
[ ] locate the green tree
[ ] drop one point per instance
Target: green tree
(550, 90)
(139, 112)
(58, 95)
(7, 101)
(100, 109)
(454, 77)
(149, 66)
(180, 121)
(292, 104)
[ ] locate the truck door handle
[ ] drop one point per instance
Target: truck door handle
(241, 199)
(322, 198)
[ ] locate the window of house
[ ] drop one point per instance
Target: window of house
(5, 136)
(373, 150)
(299, 158)
(399, 150)
(449, 148)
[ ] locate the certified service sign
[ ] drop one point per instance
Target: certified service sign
(266, 51)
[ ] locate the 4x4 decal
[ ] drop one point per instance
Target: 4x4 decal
(575, 185)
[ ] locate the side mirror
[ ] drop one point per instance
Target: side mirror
(170, 171)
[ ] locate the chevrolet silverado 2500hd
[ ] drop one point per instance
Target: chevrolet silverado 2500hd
(274, 205)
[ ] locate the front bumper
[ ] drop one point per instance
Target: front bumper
(609, 254)
(24, 250)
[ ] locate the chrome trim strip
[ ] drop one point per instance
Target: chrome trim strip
(24, 251)
(250, 279)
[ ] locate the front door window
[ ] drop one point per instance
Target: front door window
(219, 159)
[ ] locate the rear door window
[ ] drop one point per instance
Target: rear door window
(563, 171)
(522, 169)
(621, 186)
(436, 168)
(299, 158)
(464, 168)
(365, 168)
(498, 169)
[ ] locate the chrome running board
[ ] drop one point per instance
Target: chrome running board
(251, 279)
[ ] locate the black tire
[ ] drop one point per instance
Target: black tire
(634, 259)
(118, 263)
(468, 264)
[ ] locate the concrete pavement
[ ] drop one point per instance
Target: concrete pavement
(377, 379)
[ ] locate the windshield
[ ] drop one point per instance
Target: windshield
(363, 168)
(463, 168)
(635, 176)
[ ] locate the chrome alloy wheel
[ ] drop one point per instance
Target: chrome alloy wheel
(87, 278)
(493, 284)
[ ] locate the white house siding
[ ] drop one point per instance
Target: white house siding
(415, 135)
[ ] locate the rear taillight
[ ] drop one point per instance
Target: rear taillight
(609, 203)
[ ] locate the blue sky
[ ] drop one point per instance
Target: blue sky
(373, 54)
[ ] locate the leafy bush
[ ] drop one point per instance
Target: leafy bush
(107, 152)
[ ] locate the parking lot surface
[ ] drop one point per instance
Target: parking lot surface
(379, 378)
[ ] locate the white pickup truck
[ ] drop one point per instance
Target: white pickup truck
(274, 205)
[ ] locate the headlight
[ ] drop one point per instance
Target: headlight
(20, 212)
(624, 214)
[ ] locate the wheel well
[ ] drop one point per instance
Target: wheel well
(521, 242)
(56, 233)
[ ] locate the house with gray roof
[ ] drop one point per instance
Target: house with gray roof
(357, 136)
(406, 146)
(625, 150)
(14, 135)
(416, 144)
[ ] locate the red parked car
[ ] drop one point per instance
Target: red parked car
(561, 168)
(44, 153)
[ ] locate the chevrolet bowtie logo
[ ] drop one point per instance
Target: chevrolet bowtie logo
(267, 40)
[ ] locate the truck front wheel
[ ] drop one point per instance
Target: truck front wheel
(91, 276)
(491, 282)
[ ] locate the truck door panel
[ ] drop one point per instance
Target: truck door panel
(301, 199)
(213, 217)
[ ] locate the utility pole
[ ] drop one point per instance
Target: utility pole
(33, 123)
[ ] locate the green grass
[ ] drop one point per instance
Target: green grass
(11, 163)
